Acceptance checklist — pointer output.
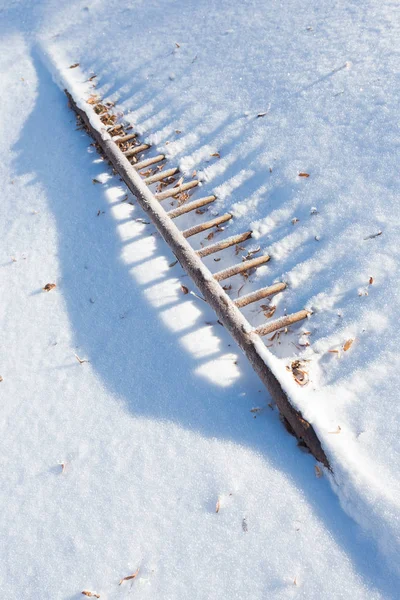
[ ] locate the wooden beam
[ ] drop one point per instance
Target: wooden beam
(161, 175)
(246, 265)
(195, 204)
(125, 138)
(136, 150)
(207, 225)
(226, 243)
(149, 161)
(171, 192)
(282, 322)
(260, 294)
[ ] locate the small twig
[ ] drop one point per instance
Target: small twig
(80, 360)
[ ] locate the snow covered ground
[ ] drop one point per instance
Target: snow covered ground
(157, 428)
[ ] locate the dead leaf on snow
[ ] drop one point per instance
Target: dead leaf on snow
(128, 577)
(299, 374)
(74, 66)
(318, 472)
(269, 311)
(216, 154)
(217, 506)
(373, 235)
(90, 594)
(184, 289)
(304, 175)
(371, 280)
(49, 286)
(347, 345)
(239, 249)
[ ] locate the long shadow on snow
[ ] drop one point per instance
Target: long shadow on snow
(121, 349)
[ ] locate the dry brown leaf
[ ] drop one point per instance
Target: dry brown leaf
(92, 77)
(184, 289)
(371, 280)
(1, 379)
(299, 374)
(178, 131)
(226, 288)
(177, 45)
(216, 154)
(347, 345)
(270, 311)
(92, 100)
(373, 235)
(74, 66)
(261, 114)
(90, 594)
(251, 253)
(49, 286)
(304, 175)
(194, 173)
(128, 577)
(217, 506)
(210, 236)
(238, 249)
(95, 181)
(334, 351)
(318, 472)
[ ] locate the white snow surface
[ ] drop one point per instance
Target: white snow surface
(118, 463)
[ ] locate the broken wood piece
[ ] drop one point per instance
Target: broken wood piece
(241, 267)
(260, 294)
(160, 176)
(207, 225)
(281, 322)
(227, 243)
(185, 208)
(177, 190)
